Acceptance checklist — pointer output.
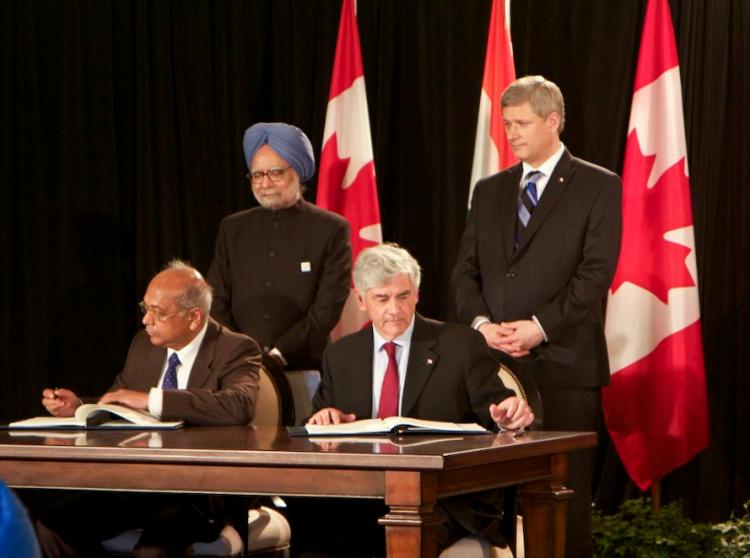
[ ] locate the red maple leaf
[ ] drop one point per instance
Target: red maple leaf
(358, 202)
(647, 258)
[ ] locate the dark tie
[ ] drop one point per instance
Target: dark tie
(170, 378)
(526, 204)
(388, 406)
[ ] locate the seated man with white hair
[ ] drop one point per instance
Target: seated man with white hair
(411, 366)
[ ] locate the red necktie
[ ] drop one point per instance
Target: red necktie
(388, 406)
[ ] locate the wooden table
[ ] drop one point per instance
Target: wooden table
(409, 472)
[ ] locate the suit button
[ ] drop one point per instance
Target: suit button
(266, 316)
(275, 224)
(510, 275)
(266, 348)
(272, 254)
(268, 284)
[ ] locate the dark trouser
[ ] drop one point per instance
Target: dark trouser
(348, 528)
(336, 527)
(576, 409)
(75, 525)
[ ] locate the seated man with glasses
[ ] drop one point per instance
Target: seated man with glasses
(281, 271)
(182, 366)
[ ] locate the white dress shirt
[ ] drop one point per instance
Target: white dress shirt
(545, 168)
(380, 364)
(187, 356)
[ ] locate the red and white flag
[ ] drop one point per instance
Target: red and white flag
(656, 408)
(491, 150)
(346, 180)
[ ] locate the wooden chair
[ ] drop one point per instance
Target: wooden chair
(268, 537)
(269, 407)
(284, 397)
(268, 532)
(524, 385)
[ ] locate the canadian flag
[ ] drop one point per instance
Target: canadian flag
(491, 150)
(656, 408)
(346, 180)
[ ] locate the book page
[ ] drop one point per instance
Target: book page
(93, 415)
(101, 415)
(394, 423)
(367, 426)
(47, 422)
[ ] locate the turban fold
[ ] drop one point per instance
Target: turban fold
(288, 141)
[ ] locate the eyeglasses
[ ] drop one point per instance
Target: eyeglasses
(274, 175)
(158, 315)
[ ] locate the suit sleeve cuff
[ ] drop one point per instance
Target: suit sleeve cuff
(539, 325)
(479, 321)
(277, 353)
(155, 402)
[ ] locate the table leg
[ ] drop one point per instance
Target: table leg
(544, 509)
(411, 520)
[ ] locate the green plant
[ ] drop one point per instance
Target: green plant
(637, 532)
(734, 536)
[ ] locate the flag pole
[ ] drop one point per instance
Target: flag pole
(656, 497)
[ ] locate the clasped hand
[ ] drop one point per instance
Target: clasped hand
(514, 338)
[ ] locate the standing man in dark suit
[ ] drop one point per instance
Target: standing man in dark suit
(281, 271)
(410, 366)
(535, 262)
(182, 366)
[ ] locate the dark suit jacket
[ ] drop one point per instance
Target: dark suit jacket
(450, 376)
(559, 273)
(261, 288)
(222, 389)
(223, 384)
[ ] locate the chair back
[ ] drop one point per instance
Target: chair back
(304, 384)
(268, 406)
(523, 384)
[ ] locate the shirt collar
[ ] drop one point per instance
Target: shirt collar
(190, 350)
(548, 166)
(403, 340)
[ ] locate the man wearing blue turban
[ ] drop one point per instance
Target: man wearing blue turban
(281, 271)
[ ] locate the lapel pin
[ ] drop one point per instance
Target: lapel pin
(561, 179)
(429, 361)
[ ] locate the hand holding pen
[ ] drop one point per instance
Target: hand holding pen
(60, 402)
(512, 414)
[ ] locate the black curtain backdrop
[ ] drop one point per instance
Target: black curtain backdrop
(120, 147)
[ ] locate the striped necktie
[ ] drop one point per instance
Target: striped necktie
(526, 204)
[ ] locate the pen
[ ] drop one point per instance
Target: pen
(517, 433)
